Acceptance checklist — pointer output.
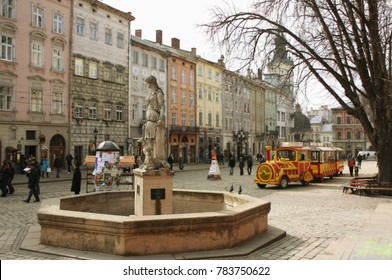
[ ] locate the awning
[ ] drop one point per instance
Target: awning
(10, 149)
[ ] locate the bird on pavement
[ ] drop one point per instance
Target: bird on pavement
(231, 188)
(240, 190)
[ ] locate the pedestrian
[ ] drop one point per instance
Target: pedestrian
(58, 164)
(249, 164)
(76, 180)
(261, 158)
(351, 164)
(359, 160)
(34, 174)
(23, 164)
(45, 167)
(11, 189)
(69, 159)
(231, 165)
(4, 177)
(170, 161)
(242, 165)
(181, 163)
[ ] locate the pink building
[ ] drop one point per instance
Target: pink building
(34, 78)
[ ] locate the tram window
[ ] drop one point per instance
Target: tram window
(291, 155)
(302, 156)
(315, 156)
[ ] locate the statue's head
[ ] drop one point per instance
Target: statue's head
(151, 80)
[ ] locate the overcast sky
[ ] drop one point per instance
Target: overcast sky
(177, 19)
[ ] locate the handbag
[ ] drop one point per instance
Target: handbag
(48, 169)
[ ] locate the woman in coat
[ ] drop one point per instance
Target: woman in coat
(76, 180)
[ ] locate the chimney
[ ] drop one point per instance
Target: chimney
(158, 37)
(138, 33)
(175, 43)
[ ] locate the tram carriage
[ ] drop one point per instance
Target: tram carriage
(298, 164)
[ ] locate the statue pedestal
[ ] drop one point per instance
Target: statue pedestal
(153, 192)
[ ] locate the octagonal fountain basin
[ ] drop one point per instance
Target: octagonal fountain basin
(105, 222)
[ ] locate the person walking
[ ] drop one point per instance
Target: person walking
(170, 161)
(249, 164)
(231, 165)
(242, 165)
(69, 159)
(58, 164)
(34, 174)
(76, 180)
(181, 163)
(4, 177)
(11, 189)
(45, 167)
(351, 164)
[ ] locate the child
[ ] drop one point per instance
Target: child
(356, 170)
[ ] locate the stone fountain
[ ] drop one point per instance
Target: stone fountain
(152, 218)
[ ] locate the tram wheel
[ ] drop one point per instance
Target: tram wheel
(261, 186)
(284, 182)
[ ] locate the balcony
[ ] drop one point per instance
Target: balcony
(179, 129)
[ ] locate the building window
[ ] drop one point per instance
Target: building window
(201, 119)
(7, 48)
(57, 59)
(183, 97)
(93, 31)
(183, 76)
(161, 65)
(209, 119)
(174, 73)
(58, 23)
(80, 26)
(7, 8)
(191, 79)
(209, 74)
(37, 54)
(217, 97)
(107, 112)
(135, 84)
(6, 97)
(192, 100)
(93, 70)
(79, 68)
(200, 91)
(174, 95)
(92, 111)
(78, 113)
(209, 94)
(36, 100)
(57, 103)
(135, 57)
(217, 124)
(108, 36)
(31, 134)
(200, 70)
(339, 120)
(145, 59)
(119, 76)
(154, 62)
(119, 113)
(107, 74)
(183, 119)
(174, 118)
(120, 40)
(38, 17)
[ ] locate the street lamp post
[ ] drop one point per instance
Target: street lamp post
(241, 137)
(95, 138)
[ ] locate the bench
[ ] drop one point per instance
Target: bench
(367, 185)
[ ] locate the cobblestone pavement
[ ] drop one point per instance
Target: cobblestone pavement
(313, 217)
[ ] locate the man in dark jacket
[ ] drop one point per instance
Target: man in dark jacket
(34, 175)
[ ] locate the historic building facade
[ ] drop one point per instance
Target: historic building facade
(100, 77)
(147, 58)
(209, 108)
(34, 78)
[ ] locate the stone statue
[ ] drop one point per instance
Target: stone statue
(153, 132)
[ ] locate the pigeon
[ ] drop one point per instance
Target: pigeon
(231, 188)
(240, 190)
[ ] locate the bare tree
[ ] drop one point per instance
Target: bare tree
(344, 44)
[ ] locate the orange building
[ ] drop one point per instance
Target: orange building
(181, 103)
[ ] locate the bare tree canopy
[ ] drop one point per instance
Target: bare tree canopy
(344, 44)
